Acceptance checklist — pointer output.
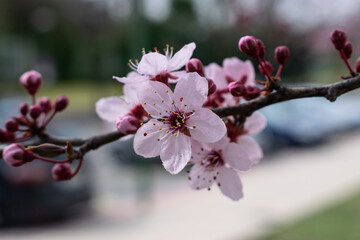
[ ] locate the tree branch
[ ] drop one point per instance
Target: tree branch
(282, 93)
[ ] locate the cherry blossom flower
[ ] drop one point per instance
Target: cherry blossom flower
(158, 67)
(177, 118)
(215, 163)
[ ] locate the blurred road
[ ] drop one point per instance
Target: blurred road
(148, 203)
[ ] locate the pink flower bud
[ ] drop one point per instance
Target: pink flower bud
(357, 65)
(35, 111)
(15, 155)
(251, 92)
(249, 46)
(237, 88)
(45, 104)
(348, 50)
(195, 65)
(32, 81)
(269, 68)
(24, 109)
(261, 47)
(338, 38)
(61, 172)
(127, 124)
(61, 103)
(12, 125)
(211, 86)
(282, 54)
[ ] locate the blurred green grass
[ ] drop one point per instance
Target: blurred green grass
(339, 222)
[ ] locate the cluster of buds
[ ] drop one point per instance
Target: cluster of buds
(340, 42)
(32, 119)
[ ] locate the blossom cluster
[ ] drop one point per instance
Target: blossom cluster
(179, 126)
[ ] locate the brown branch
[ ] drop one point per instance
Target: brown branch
(282, 93)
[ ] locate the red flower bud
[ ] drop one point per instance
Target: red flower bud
(32, 81)
(249, 46)
(237, 88)
(61, 172)
(357, 65)
(45, 104)
(35, 111)
(282, 54)
(348, 50)
(127, 124)
(269, 68)
(3, 136)
(261, 47)
(61, 103)
(338, 38)
(251, 92)
(211, 86)
(195, 65)
(24, 109)
(12, 125)
(15, 155)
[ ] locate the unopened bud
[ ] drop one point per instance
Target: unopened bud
(127, 124)
(348, 50)
(282, 54)
(211, 86)
(35, 111)
(338, 38)
(269, 68)
(15, 155)
(12, 125)
(47, 150)
(61, 103)
(61, 172)
(32, 81)
(195, 65)
(249, 46)
(261, 47)
(251, 92)
(3, 136)
(24, 109)
(357, 65)
(45, 104)
(237, 88)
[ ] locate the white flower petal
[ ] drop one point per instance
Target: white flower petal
(111, 107)
(175, 153)
(236, 69)
(152, 64)
(156, 98)
(146, 138)
(132, 78)
(181, 57)
(190, 91)
(216, 73)
(200, 177)
(198, 151)
(208, 126)
(236, 156)
(178, 74)
(130, 93)
(229, 183)
(252, 148)
(255, 123)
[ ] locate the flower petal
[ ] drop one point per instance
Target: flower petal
(255, 123)
(146, 138)
(156, 98)
(132, 77)
(175, 153)
(109, 108)
(152, 64)
(130, 93)
(178, 74)
(236, 156)
(216, 73)
(181, 57)
(190, 91)
(198, 151)
(236, 69)
(252, 148)
(229, 183)
(200, 177)
(208, 126)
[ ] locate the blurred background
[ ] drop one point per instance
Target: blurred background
(306, 187)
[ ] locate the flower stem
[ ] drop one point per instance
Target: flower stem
(78, 167)
(342, 54)
(279, 71)
(50, 160)
(49, 119)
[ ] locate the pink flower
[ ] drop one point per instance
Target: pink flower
(127, 123)
(159, 67)
(177, 118)
(215, 162)
(15, 155)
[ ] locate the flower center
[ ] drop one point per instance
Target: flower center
(177, 121)
(214, 159)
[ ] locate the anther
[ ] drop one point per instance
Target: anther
(160, 129)
(145, 134)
